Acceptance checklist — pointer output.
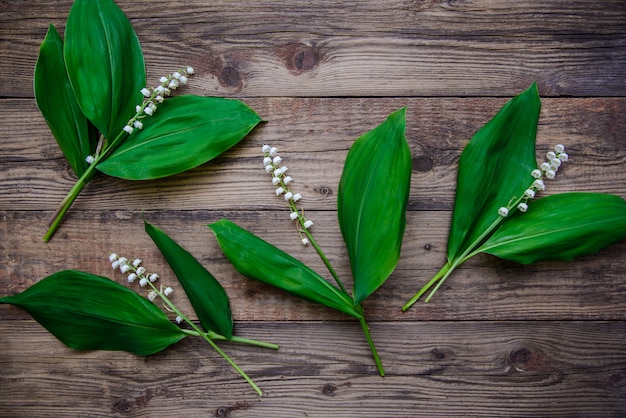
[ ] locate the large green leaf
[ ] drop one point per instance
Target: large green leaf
(260, 260)
(104, 63)
(495, 166)
(371, 202)
(560, 227)
(55, 98)
(88, 312)
(186, 131)
(206, 294)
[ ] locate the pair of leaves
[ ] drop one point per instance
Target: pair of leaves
(494, 170)
(89, 312)
(93, 80)
(372, 198)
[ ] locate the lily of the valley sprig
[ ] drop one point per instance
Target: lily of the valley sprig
(89, 312)
(91, 90)
(495, 211)
(371, 206)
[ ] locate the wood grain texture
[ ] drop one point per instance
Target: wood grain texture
(314, 136)
(499, 339)
(328, 48)
(435, 369)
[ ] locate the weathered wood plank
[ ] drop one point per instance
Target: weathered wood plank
(327, 48)
(485, 288)
(436, 368)
(314, 136)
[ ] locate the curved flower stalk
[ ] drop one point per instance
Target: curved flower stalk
(371, 204)
(91, 90)
(493, 213)
(89, 312)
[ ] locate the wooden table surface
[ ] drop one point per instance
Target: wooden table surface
(499, 339)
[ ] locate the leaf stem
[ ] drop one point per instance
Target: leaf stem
(366, 330)
(473, 249)
(80, 184)
(444, 270)
(208, 337)
(358, 307)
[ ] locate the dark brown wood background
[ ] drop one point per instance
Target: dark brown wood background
(499, 339)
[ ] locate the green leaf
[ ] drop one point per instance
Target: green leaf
(186, 131)
(88, 312)
(560, 227)
(260, 260)
(371, 202)
(206, 294)
(104, 63)
(55, 98)
(495, 166)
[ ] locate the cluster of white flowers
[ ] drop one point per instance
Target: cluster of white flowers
(272, 162)
(153, 96)
(136, 272)
(547, 169)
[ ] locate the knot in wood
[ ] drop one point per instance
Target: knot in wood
(422, 163)
(229, 77)
(305, 59)
(521, 356)
(324, 190)
(329, 389)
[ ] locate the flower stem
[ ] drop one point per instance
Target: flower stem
(58, 215)
(326, 262)
(208, 338)
(444, 270)
(80, 184)
(366, 330)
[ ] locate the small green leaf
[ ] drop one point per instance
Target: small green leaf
(371, 202)
(260, 260)
(104, 63)
(88, 312)
(560, 227)
(185, 132)
(495, 166)
(55, 98)
(206, 294)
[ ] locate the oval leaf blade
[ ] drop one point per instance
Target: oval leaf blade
(185, 132)
(494, 167)
(57, 103)
(371, 202)
(88, 312)
(260, 260)
(560, 227)
(206, 294)
(105, 64)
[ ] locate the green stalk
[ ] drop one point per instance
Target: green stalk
(80, 184)
(366, 330)
(207, 338)
(359, 307)
(325, 260)
(444, 271)
(449, 267)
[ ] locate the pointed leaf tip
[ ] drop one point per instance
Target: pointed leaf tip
(206, 294)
